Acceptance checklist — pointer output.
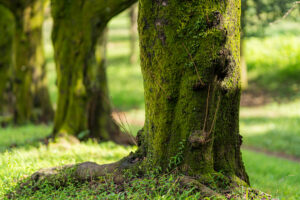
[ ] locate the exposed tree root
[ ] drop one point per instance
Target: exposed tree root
(229, 188)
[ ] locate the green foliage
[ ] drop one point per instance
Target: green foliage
(176, 160)
(260, 13)
(274, 64)
(275, 127)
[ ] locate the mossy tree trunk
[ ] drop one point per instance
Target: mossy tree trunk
(6, 56)
(190, 59)
(83, 107)
(29, 73)
(133, 34)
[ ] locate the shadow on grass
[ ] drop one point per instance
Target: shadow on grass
(278, 134)
(34, 142)
(23, 137)
(280, 85)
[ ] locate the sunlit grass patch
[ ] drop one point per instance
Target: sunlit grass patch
(274, 65)
(19, 162)
(272, 175)
(275, 127)
(28, 135)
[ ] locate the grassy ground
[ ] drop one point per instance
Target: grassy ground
(273, 175)
(274, 65)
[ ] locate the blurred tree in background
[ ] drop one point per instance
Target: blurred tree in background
(258, 14)
(30, 88)
(79, 39)
(7, 31)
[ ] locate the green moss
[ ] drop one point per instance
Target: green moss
(79, 38)
(29, 80)
(6, 52)
(180, 70)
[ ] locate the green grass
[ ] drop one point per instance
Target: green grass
(272, 175)
(274, 127)
(29, 135)
(19, 162)
(274, 66)
(276, 176)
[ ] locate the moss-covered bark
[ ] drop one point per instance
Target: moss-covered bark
(190, 58)
(83, 107)
(29, 73)
(6, 55)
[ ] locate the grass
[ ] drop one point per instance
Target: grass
(276, 176)
(274, 66)
(26, 136)
(274, 127)
(25, 161)
(273, 175)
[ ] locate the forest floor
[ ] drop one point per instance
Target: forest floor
(269, 119)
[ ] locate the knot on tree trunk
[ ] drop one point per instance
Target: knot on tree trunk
(214, 20)
(198, 138)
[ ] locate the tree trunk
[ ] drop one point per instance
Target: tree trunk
(133, 33)
(83, 108)
(6, 59)
(29, 73)
(190, 59)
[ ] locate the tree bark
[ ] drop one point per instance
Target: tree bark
(29, 73)
(83, 107)
(190, 59)
(133, 33)
(7, 28)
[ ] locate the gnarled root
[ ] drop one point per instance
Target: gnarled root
(205, 191)
(213, 185)
(80, 172)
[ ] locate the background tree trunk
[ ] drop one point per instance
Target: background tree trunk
(133, 33)
(29, 73)
(7, 28)
(32, 96)
(190, 59)
(83, 108)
